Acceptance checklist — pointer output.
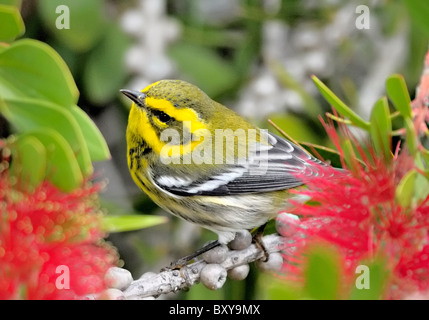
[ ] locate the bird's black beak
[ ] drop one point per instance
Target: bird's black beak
(136, 96)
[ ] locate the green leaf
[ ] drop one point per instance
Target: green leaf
(296, 127)
(97, 145)
(30, 68)
(424, 157)
(198, 62)
(340, 106)
(102, 84)
(405, 190)
(398, 93)
(381, 128)
(322, 273)
(411, 136)
(29, 114)
(29, 162)
(11, 24)
(130, 222)
(87, 22)
(16, 3)
(419, 14)
(421, 186)
(273, 288)
(3, 46)
(62, 167)
(350, 158)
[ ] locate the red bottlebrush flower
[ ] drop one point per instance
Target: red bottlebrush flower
(50, 243)
(420, 105)
(357, 212)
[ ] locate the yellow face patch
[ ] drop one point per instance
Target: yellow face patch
(186, 115)
(150, 86)
(143, 127)
(159, 123)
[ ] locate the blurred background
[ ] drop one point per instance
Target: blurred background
(255, 56)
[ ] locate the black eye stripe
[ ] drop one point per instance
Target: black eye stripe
(162, 116)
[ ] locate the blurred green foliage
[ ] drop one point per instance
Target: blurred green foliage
(225, 51)
(11, 24)
(93, 46)
(57, 140)
(87, 18)
(31, 104)
(324, 279)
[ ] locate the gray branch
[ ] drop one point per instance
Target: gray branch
(175, 280)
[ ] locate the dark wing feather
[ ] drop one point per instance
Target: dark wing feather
(268, 169)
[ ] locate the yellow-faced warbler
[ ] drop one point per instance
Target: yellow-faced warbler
(202, 162)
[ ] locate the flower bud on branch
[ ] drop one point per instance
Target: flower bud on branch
(175, 280)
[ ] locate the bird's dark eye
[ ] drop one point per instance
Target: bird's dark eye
(162, 116)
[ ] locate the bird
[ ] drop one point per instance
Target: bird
(204, 163)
